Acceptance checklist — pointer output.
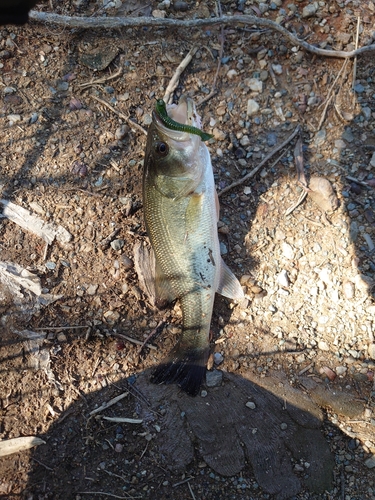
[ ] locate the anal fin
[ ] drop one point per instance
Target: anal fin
(229, 286)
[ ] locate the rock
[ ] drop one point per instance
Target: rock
(252, 107)
(245, 141)
(218, 134)
(91, 290)
(271, 139)
(343, 37)
(231, 73)
(287, 251)
(340, 144)
(126, 262)
(62, 86)
(283, 279)
(320, 137)
(372, 161)
(218, 358)
(322, 193)
(371, 351)
(323, 346)
(180, 5)
(367, 112)
(329, 373)
(223, 248)
(359, 88)
(214, 378)
(121, 132)
(117, 244)
(159, 14)
(348, 135)
(370, 462)
(254, 84)
(277, 68)
(13, 118)
(112, 316)
(33, 118)
(348, 289)
(51, 265)
(341, 370)
(250, 405)
(310, 9)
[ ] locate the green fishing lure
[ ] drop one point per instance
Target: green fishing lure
(161, 111)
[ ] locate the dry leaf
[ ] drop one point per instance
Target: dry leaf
(322, 193)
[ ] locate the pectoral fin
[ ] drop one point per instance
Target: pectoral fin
(229, 286)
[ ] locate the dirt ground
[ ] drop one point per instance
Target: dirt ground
(293, 416)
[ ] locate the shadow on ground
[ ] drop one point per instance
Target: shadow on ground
(263, 425)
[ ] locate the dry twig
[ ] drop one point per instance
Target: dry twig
(334, 82)
(133, 341)
(121, 22)
(104, 79)
(109, 403)
(159, 327)
(264, 161)
(121, 115)
(175, 78)
(60, 327)
(298, 202)
(191, 491)
(124, 420)
(322, 118)
(105, 493)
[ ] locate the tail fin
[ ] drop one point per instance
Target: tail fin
(187, 371)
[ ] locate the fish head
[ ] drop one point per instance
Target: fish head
(175, 159)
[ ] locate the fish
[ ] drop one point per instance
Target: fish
(181, 212)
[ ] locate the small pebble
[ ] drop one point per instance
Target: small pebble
(323, 346)
(347, 135)
(283, 279)
(218, 358)
(117, 244)
(309, 10)
(214, 378)
(341, 370)
(252, 107)
(287, 251)
(250, 405)
(277, 68)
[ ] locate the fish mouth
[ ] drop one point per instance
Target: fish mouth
(184, 113)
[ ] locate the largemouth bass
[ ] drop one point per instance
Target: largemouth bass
(181, 212)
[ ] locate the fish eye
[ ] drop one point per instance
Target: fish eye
(162, 148)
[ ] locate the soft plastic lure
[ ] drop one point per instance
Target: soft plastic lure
(161, 110)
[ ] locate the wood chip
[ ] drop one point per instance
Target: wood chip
(15, 445)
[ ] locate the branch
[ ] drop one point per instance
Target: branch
(121, 22)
